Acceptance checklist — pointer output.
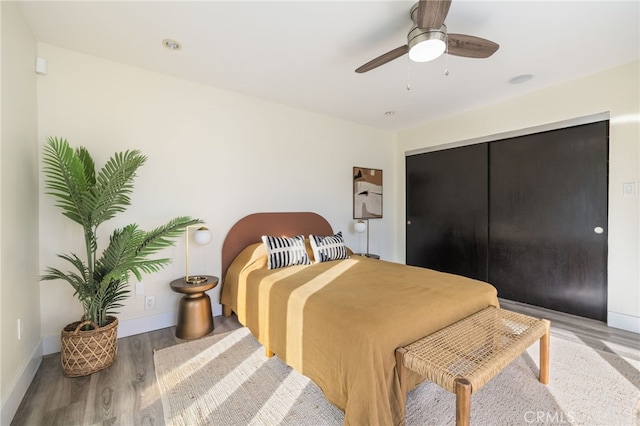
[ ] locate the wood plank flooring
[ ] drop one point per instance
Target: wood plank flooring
(589, 332)
(127, 393)
(124, 394)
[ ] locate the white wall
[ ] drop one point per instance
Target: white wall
(616, 91)
(19, 287)
(212, 154)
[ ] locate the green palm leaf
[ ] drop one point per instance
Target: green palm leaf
(65, 179)
(113, 185)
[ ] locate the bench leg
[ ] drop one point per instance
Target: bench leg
(544, 354)
(226, 310)
(463, 402)
(401, 370)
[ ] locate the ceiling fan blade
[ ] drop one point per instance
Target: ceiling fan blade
(470, 46)
(432, 13)
(383, 59)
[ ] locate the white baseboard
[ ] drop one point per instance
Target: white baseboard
(20, 386)
(51, 344)
(143, 324)
(623, 321)
(130, 327)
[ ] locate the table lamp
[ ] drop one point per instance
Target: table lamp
(361, 226)
(202, 236)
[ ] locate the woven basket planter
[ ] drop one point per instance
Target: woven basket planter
(85, 352)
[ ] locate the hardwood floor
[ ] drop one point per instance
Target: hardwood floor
(592, 333)
(127, 394)
(124, 394)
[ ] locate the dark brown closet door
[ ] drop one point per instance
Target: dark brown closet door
(447, 211)
(548, 197)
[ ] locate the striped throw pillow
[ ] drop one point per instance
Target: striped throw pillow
(283, 251)
(328, 248)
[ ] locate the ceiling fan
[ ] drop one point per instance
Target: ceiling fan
(428, 38)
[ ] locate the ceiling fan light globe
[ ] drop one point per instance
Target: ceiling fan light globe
(427, 50)
(426, 44)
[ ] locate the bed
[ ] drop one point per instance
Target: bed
(339, 322)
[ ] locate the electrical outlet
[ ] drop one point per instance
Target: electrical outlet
(629, 189)
(149, 303)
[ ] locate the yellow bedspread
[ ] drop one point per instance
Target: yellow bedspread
(339, 322)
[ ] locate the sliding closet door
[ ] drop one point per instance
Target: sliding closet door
(548, 219)
(447, 210)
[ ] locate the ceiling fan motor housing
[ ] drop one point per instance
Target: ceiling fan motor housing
(426, 44)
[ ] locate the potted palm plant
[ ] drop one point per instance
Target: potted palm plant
(100, 282)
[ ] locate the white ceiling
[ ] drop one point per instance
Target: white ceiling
(304, 53)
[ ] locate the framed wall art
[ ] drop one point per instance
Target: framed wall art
(367, 193)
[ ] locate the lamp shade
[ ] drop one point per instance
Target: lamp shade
(360, 226)
(202, 236)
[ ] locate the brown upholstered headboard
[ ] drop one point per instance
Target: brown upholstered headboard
(250, 229)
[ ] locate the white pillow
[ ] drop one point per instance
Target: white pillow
(283, 251)
(328, 248)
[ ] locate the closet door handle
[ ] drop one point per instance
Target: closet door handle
(598, 229)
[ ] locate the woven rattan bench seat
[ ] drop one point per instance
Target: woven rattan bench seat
(473, 350)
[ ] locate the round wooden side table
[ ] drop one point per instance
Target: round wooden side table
(194, 314)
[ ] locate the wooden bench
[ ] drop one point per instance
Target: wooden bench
(464, 356)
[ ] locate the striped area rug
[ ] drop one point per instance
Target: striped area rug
(226, 379)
